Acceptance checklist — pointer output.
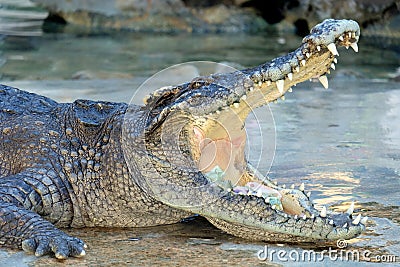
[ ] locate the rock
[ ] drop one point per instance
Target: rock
(217, 15)
(155, 15)
(363, 11)
(306, 13)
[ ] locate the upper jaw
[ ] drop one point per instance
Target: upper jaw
(250, 88)
(265, 83)
(313, 59)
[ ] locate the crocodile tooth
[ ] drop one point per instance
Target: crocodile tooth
(309, 194)
(350, 209)
(323, 212)
(355, 47)
(297, 68)
(344, 225)
(251, 88)
(236, 105)
(244, 97)
(275, 182)
(217, 111)
(347, 47)
(349, 34)
(364, 220)
(333, 66)
(353, 35)
(312, 216)
(292, 186)
(301, 187)
(331, 222)
(283, 186)
(303, 62)
(268, 83)
(290, 90)
(280, 84)
(275, 101)
(324, 80)
(335, 60)
(341, 38)
(260, 83)
(308, 55)
(318, 48)
(304, 217)
(332, 48)
(290, 76)
(283, 98)
(295, 217)
(285, 215)
(273, 207)
(357, 220)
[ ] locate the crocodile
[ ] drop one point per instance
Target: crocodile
(180, 154)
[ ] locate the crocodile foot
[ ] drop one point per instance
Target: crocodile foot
(57, 242)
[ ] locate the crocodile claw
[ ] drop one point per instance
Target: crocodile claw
(62, 245)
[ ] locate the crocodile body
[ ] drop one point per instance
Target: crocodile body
(87, 163)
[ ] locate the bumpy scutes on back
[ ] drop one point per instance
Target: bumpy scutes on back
(14, 102)
(94, 113)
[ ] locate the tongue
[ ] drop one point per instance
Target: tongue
(215, 153)
(224, 154)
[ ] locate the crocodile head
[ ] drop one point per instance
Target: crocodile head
(194, 137)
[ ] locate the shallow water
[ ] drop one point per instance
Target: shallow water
(343, 143)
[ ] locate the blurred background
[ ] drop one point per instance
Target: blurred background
(96, 39)
(343, 143)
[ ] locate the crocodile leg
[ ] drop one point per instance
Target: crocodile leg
(24, 198)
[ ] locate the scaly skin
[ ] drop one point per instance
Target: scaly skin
(87, 164)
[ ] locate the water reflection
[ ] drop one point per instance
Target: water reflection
(334, 187)
(391, 130)
(21, 18)
(73, 53)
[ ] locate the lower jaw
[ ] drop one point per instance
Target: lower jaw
(256, 234)
(290, 201)
(222, 161)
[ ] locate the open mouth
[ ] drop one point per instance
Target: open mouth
(221, 144)
(240, 200)
(223, 162)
